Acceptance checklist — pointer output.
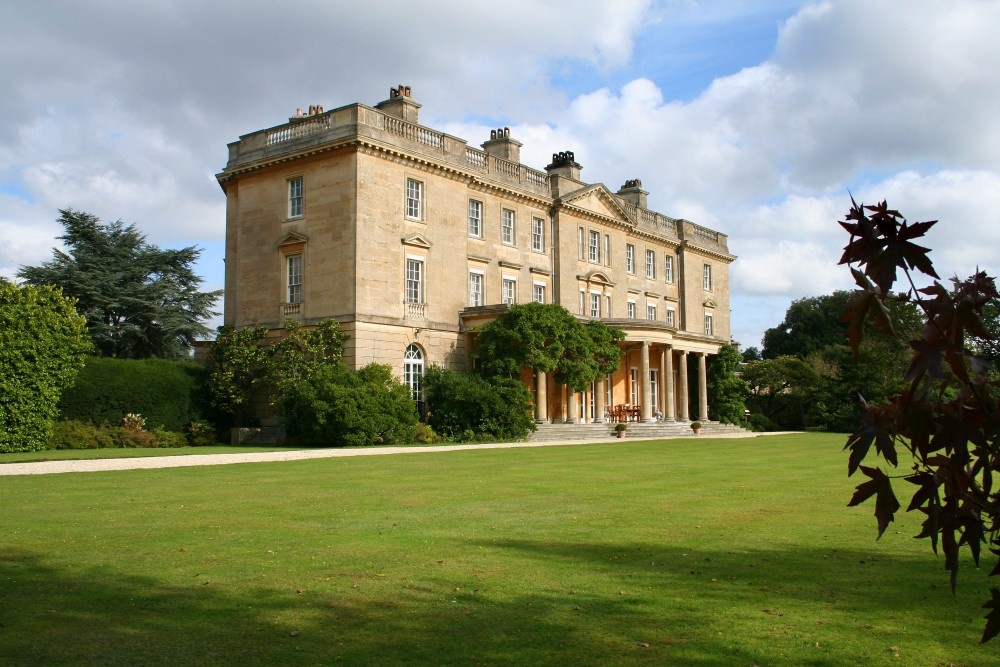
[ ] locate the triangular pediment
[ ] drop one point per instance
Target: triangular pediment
(709, 303)
(292, 238)
(600, 201)
(418, 240)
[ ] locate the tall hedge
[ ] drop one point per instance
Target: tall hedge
(169, 394)
(42, 345)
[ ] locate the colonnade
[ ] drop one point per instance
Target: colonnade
(672, 395)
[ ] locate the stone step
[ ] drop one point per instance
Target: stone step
(603, 431)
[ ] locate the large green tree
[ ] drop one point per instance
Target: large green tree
(43, 342)
(810, 324)
(547, 338)
(139, 301)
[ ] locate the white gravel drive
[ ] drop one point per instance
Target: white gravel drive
(181, 461)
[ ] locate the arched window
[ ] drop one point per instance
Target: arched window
(413, 372)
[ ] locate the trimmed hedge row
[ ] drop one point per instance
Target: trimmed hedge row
(168, 394)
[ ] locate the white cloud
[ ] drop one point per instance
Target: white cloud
(124, 109)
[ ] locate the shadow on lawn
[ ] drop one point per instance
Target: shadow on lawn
(90, 616)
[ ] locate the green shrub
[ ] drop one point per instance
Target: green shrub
(759, 422)
(470, 408)
(201, 434)
(168, 394)
(339, 407)
(73, 434)
(42, 345)
(162, 438)
(424, 434)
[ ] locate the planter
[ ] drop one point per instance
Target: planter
(621, 434)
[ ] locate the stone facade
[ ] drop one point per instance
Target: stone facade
(410, 237)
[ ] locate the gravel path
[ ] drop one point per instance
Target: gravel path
(187, 460)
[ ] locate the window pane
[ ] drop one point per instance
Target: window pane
(509, 291)
(295, 197)
(507, 227)
(595, 247)
(294, 279)
(475, 289)
(650, 264)
(414, 199)
(537, 235)
(414, 281)
(475, 218)
(630, 258)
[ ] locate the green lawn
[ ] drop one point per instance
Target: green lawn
(121, 453)
(686, 552)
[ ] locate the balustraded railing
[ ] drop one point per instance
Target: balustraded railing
(414, 132)
(704, 233)
(291, 310)
(415, 311)
(475, 157)
(535, 177)
(300, 128)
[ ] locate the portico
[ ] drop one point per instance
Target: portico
(664, 396)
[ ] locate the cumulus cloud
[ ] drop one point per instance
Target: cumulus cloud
(124, 109)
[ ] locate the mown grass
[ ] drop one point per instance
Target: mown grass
(136, 452)
(687, 552)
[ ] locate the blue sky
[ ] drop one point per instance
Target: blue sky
(755, 119)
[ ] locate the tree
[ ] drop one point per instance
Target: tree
(547, 338)
(726, 391)
(946, 418)
(810, 324)
(780, 390)
(752, 354)
(138, 300)
(238, 366)
(43, 342)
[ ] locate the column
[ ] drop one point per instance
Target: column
(560, 414)
(646, 394)
(571, 411)
(600, 392)
(541, 399)
(670, 402)
(683, 382)
(702, 387)
(585, 417)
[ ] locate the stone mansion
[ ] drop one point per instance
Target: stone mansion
(411, 238)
